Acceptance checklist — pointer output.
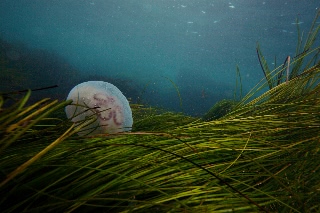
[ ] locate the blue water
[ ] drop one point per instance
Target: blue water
(195, 44)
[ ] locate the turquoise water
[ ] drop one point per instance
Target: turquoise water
(195, 44)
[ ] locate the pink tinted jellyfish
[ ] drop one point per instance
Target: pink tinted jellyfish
(102, 101)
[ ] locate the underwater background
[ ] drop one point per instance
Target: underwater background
(149, 49)
(246, 74)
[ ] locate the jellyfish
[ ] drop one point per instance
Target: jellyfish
(101, 102)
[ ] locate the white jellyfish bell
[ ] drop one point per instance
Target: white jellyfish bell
(105, 103)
